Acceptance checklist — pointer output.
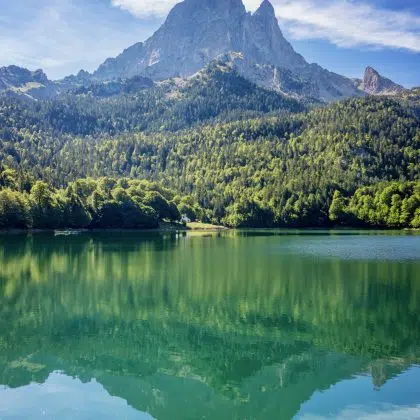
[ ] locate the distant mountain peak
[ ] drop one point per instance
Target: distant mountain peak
(371, 70)
(374, 83)
(19, 81)
(83, 73)
(40, 76)
(266, 9)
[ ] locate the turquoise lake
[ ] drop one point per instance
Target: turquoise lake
(193, 325)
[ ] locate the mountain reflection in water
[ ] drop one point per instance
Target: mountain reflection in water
(232, 325)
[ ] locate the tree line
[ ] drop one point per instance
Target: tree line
(386, 204)
(89, 203)
(106, 202)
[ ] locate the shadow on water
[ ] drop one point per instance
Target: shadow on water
(241, 323)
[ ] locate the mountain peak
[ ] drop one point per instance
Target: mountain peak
(40, 76)
(370, 71)
(197, 31)
(199, 10)
(18, 76)
(23, 82)
(375, 84)
(266, 9)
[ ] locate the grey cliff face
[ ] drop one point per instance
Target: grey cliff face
(196, 32)
(265, 42)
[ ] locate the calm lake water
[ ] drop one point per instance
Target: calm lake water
(232, 325)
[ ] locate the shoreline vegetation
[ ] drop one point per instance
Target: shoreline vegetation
(205, 232)
(132, 204)
(196, 227)
(163, 227)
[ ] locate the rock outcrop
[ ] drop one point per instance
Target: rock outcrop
(19, 81)
(375, 84)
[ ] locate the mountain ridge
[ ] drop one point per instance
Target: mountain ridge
(195, 33)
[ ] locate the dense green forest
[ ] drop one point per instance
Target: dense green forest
(131, 204)
(88, 203)
(388, 204)
(345, 164)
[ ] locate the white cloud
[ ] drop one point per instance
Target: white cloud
(350, 24)
(145, 8)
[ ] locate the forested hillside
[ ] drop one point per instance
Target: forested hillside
(278, 170)
(215, 94)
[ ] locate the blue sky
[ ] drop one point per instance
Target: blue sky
(63, 36)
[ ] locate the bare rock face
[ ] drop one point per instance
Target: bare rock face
(265, 43)
(19, 81)
(197, 31)
(375, 84)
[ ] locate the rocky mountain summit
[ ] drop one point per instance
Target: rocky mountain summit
(81, 79)
(16, 80)
(375, 84)
(198, 31)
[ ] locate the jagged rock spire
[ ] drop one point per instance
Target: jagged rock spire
(266, 9)
(375, 84)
